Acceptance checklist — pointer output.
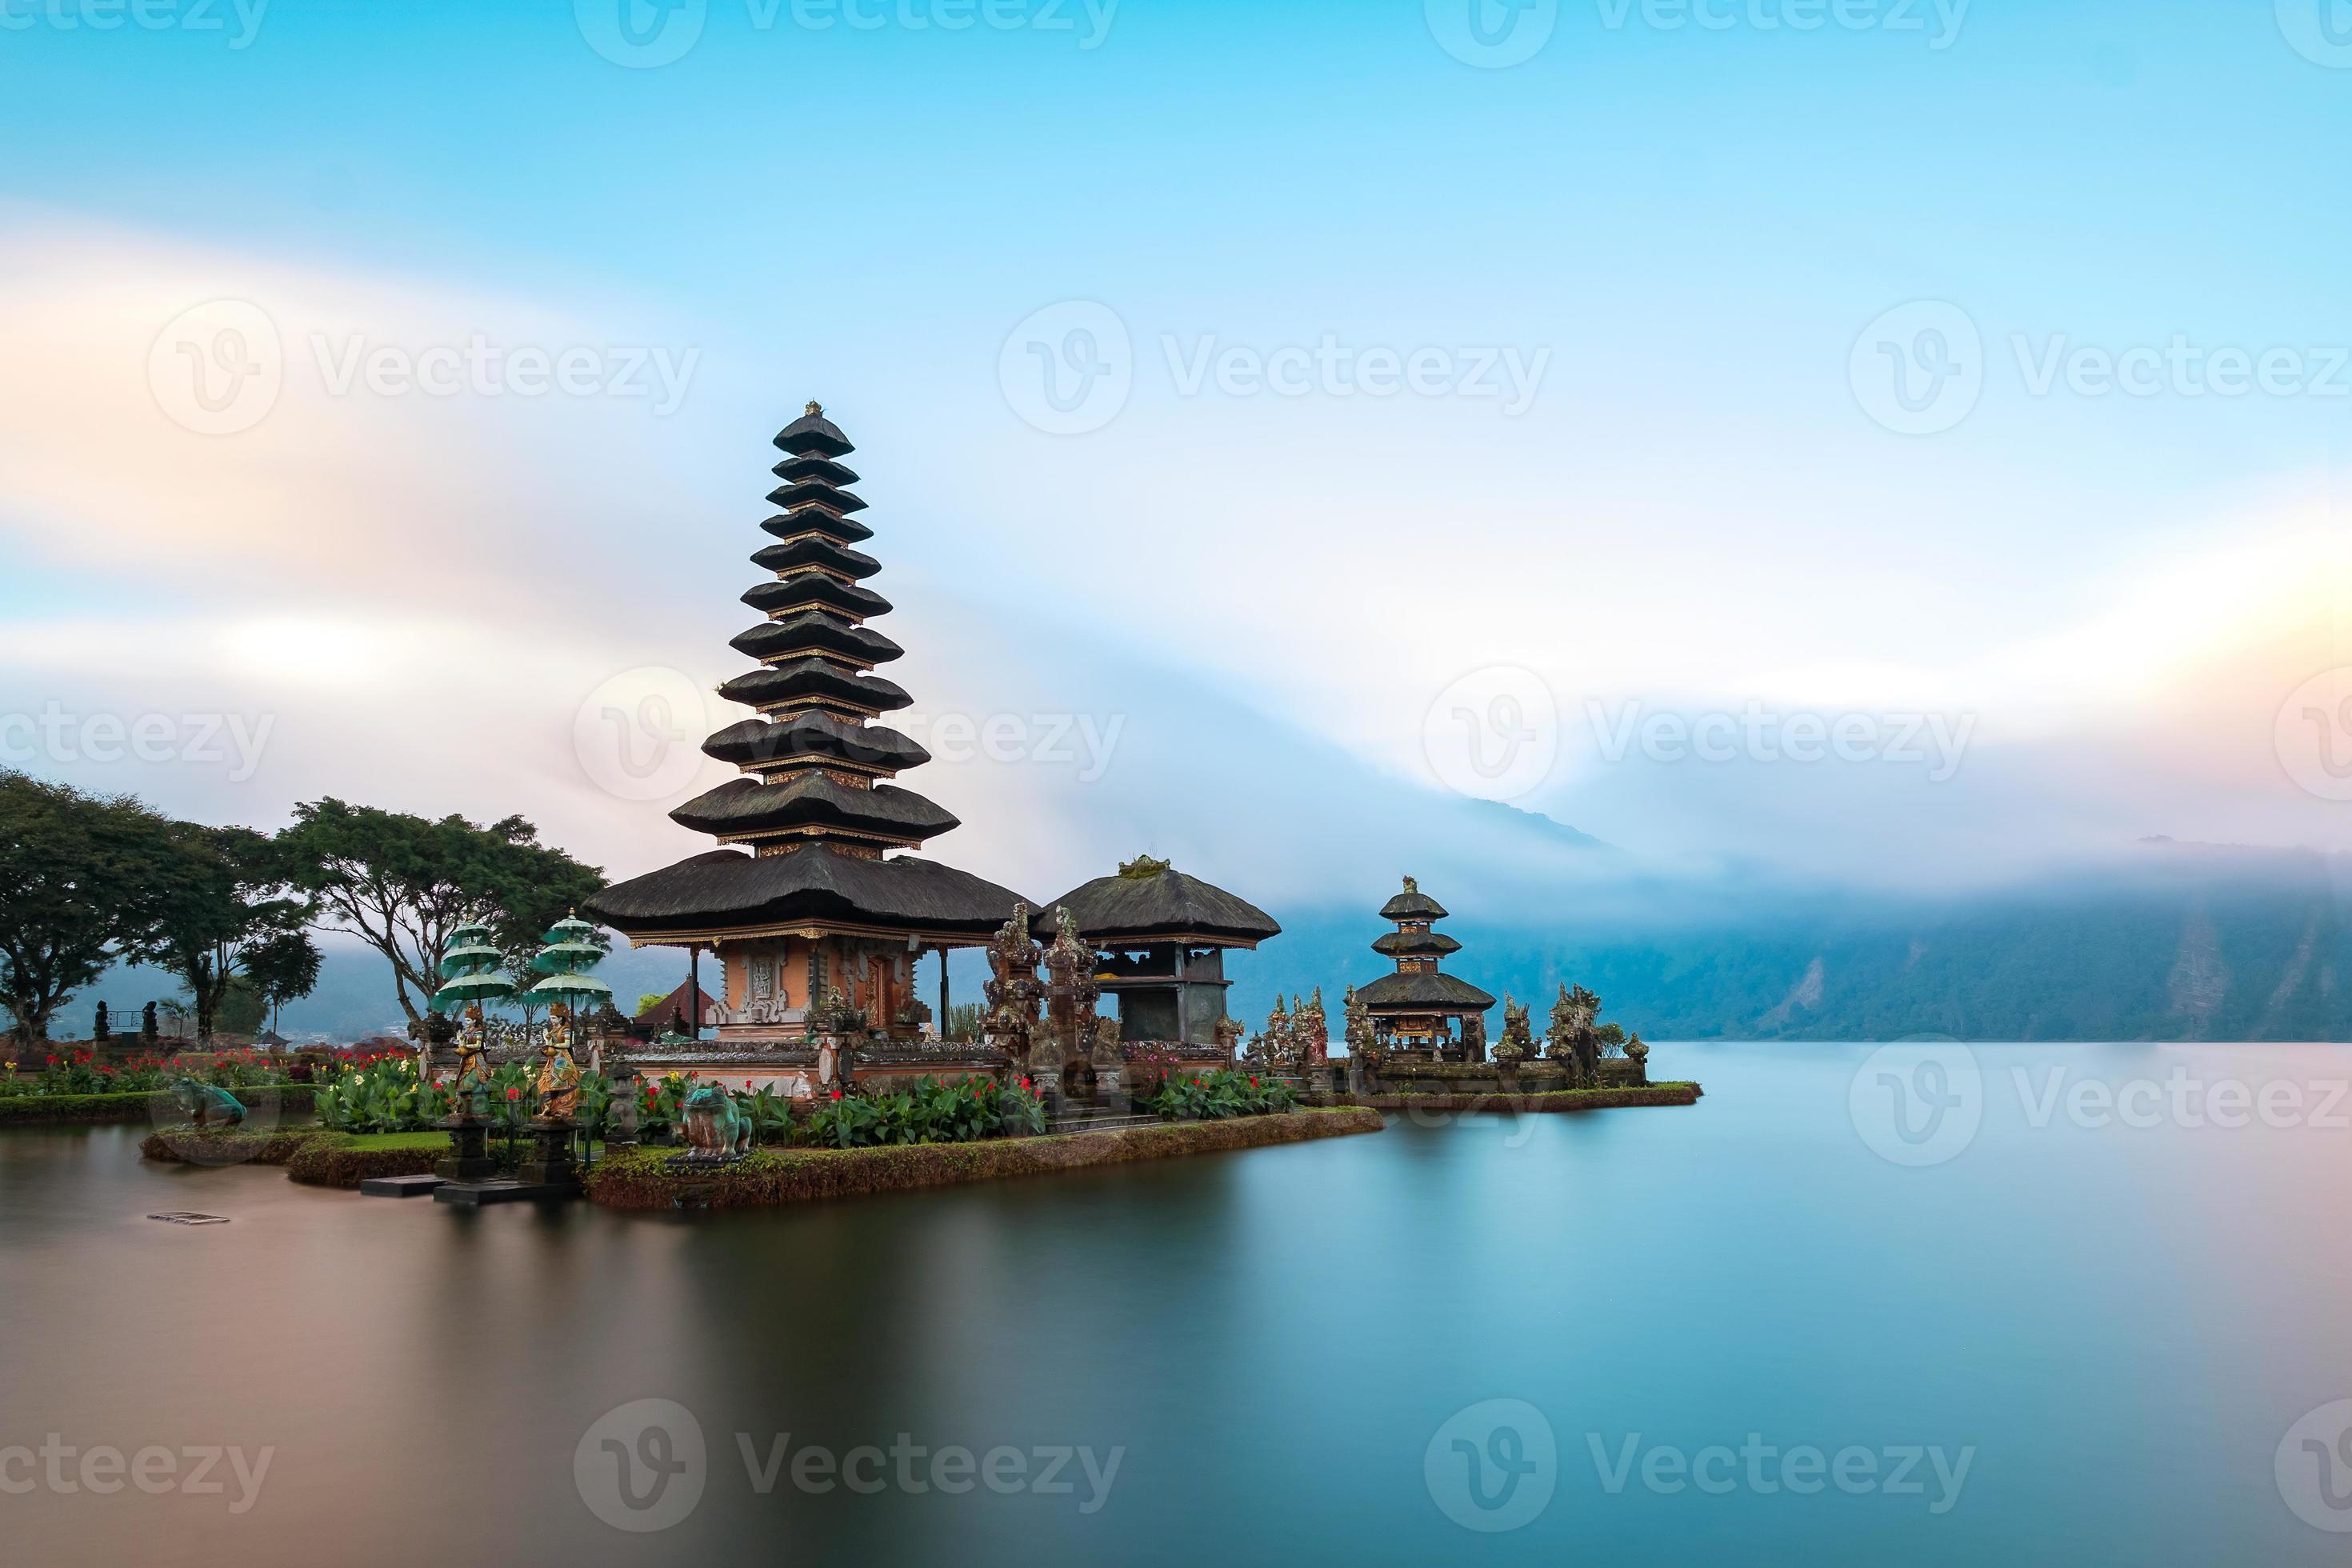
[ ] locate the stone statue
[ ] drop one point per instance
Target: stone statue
(1518, 1039)
(1012, 993)
(1229, 1037)
(1573, 1039)
(1312, 1031)
(147, 1025)
(469, 1088)
(1639, 1055)
(1277, 1047)
(1356, 1026)
(207, 1105)
(559, 1074)
(103, 1029)
(1473, 1036)
(716, 1127)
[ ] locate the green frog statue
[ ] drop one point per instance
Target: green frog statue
(207, 1105)
(559, 1074)
(716, 1130)
(469, 1088)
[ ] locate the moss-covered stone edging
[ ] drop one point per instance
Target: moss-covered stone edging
(190, 1145)
(335, 1160)
(309, 1154)
(1557, 1099)
(81, 1110)
(641, 1179)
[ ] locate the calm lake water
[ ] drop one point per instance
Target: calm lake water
(2112, 1321)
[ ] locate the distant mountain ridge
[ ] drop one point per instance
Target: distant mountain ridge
(2184, 941)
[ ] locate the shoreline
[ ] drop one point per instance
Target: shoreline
(641, 1181)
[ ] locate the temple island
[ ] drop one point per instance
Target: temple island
(827, 927)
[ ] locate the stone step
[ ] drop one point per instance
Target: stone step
(1100, 1124)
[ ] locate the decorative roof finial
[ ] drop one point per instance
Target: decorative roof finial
(814, 408)
(1411, 886)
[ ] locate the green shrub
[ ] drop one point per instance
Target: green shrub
(1219, 1094)
(384, 1097)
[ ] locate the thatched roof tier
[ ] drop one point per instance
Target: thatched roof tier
(815, 550)
(746, 808)
(815, 465)
(810, 519)
(1160, 906)
(815, 493)
(813, 435)
(726, 892)
(816, 632)
(816, 590)
(815, 680)
(1416, 944)
(1428, 992)
(815, 738)
(1412, 904)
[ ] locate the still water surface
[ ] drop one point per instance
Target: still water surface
(2117, 1325)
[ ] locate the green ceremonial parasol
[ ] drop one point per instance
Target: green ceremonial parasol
(568, 954)
(470, 970)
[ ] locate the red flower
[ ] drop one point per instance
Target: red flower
(836, 1094)
(514, 1094)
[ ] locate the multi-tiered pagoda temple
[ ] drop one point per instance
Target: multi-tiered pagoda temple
(813, 907)
(1416, 1007)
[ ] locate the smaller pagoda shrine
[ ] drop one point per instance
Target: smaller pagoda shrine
(1161, 938)
(1419, 1008)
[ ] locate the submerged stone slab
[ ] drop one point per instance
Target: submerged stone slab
(480, 1195)
(401, 1186)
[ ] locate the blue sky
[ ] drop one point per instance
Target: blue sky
(1694, 231)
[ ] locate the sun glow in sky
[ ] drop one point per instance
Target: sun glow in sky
(519, 318)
